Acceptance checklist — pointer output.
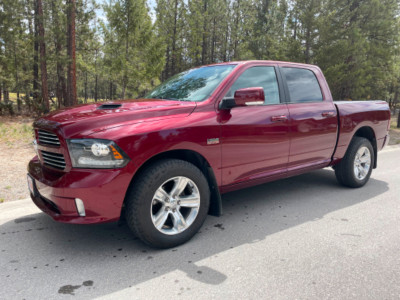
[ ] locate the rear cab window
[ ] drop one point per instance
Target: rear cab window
(302, 85)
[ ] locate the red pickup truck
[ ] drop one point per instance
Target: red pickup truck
(163, 161)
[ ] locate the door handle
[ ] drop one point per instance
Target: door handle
(281, 118)
(327, 114)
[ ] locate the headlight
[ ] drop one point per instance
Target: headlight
(94, 153)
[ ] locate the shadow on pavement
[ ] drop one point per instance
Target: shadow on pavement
(37, 253)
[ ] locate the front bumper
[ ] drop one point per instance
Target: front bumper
(102, 192)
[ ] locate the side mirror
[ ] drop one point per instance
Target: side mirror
(249, 96)
(244, 97)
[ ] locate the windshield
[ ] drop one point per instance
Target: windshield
(192, 85)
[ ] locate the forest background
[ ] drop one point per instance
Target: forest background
(56, 53)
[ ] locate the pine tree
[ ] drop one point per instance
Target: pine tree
(71, 51)
(14, 44)
(58, 31)
(356, 46)
(242, 21)
(135, 55)
(170, 26)
(266, 40)
(306, 28)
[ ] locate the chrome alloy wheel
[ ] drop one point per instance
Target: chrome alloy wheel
(175, 205)
(362, 163)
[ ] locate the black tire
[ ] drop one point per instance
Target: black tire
(345, 171)
(139, 201)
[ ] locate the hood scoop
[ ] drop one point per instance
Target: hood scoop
(109, 106)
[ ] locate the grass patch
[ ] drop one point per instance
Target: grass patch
(13, 96)
(394, 132)
(393, 123)
(15, 131)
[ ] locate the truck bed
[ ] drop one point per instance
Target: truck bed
(353, 115)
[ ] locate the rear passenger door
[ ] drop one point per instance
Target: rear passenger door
(313, 119)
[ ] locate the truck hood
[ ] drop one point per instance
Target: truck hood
(83, 120)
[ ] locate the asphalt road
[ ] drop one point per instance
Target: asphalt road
(300, 238)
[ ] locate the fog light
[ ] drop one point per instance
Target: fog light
(80, 207)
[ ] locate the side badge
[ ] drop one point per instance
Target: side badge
(213, 141)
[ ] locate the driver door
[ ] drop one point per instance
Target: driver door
(255, 139)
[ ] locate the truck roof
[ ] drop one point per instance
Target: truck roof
(243, 62)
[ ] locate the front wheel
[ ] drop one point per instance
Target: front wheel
(168, 203)
(354, 170)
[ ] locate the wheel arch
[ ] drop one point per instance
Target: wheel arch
(199, 161)
(368, 133)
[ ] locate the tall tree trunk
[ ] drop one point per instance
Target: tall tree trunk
(173, 64)
(390, 101)
(59, 93)
(123, 88)
(125, 80)
(7, 100)
(95, 82)
(396, 98)
(26, 88)
(36, 56)
(236, 41)
(17, 79)
(225, 55)
(86, 83)
(18, 102)
(308, 46)
(204, 44)
(213, 42)
(398, 120)
(43, 65)
(29, 18)
(166, 72)
(6, 95)
(58, 48)
(71, 48)
(64, 87)
(95, 89)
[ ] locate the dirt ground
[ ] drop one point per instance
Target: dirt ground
(13, 164)
(394, 137)
(16, 150)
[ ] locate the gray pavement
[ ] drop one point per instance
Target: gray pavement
(300, 238)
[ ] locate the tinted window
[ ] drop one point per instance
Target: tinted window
(192, 85)
(264, 77)
(303, 85)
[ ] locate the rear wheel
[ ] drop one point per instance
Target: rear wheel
(168, 203)
(354, 170)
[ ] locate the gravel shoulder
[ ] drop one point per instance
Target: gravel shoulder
(13, 164)
(15, 152)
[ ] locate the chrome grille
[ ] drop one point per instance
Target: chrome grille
(48, 138)
(54, 160)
